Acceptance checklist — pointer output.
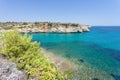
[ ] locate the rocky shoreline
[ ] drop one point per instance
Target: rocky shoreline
(9, 70)
(43, 27)
(62, 63)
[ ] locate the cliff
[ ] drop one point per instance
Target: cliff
(27, 27)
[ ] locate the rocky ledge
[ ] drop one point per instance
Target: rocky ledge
(29, 27)
(8, 71)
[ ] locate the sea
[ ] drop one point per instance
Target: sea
(97, 53)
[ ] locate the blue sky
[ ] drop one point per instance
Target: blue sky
(93, 12)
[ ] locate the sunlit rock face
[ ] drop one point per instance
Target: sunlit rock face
(28, 27)
(8, 71)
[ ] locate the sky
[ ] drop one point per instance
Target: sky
(92, 12)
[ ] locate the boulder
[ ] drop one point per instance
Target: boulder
(8, 71)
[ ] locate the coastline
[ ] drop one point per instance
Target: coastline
(62, 63)
(86, 71)
(81, 70)
(43, 27)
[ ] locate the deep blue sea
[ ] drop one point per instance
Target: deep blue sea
(97, 53)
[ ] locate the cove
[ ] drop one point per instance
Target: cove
(97, 53)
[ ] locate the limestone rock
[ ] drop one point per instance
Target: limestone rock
(8, 71)
(44, 27)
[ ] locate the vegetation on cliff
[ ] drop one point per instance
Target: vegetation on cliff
(27, 56)
(28, 27)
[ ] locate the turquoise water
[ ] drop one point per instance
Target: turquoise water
(97, 53)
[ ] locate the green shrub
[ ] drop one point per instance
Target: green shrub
(25, 23)
(27, 55)
(68, 74)
(7, 27)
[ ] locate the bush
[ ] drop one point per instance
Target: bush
(7, 27)
(27, 56)
(25, 23)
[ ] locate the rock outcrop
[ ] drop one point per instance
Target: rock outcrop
(27, 27)
(8, 71)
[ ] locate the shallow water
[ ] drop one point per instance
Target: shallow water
(97, 53)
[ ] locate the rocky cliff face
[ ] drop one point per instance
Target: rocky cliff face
(27, 27)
